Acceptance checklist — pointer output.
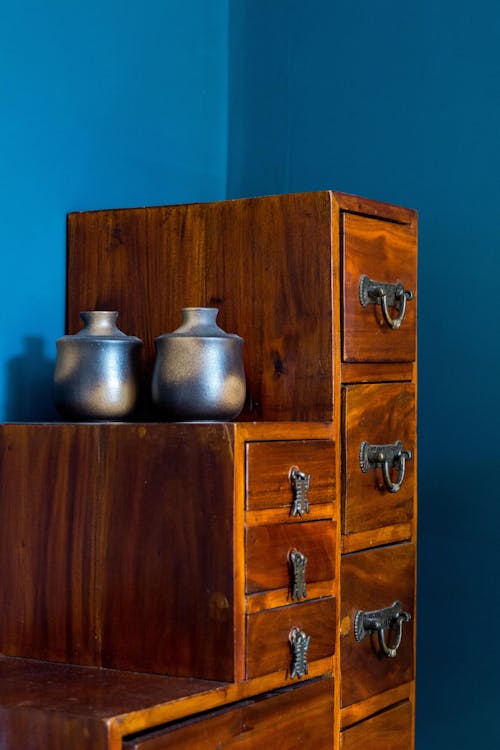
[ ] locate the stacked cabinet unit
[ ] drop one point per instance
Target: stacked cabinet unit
(226, 584)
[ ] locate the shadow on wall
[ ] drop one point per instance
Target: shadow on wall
(29, 384)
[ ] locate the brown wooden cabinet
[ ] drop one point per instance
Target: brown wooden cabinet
(162, 586)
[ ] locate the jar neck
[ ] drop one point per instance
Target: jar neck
(100, 322)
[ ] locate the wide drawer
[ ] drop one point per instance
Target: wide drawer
(269, 481)
(377, 415)
(370, 581)
(378, 251)
(269, 551)
(389, 730)
(269, 632)
(295, 717)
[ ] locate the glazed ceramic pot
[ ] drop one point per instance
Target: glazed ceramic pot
(198, 372)
(97, 370)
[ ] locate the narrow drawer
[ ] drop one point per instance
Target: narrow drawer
(268, 635)
(371, 581)
(389, 730)
(301, 716)
(269, 481)
(381, 251)
(268, 550)
(377, 414)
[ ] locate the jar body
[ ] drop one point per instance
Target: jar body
(198, 372)
(97, 370)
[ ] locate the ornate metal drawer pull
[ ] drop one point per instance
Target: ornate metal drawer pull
(387, 295)
(385, 457)
(380, 620)
(299, 643)
(300, 485)
(298, 563)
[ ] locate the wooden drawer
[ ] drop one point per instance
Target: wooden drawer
(379, 414)
(268, 635)
(384, 252)
(268, 549)
(268, 481)
(389, 730)
(373, 580)
(301, 716)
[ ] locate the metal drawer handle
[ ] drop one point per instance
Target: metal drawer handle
(380, 620)
(298, 563)
(300, 485)
(299, 643)
(385, 457)
(387, 295)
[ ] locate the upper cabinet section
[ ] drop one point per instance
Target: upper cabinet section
(273, 267)
(379, 290)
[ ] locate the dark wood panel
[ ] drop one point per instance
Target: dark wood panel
(266, 263)
(268, 472)
(389, 730)
(381, 414)
(268, 548)
(168, 540)
(298, 717)
(268, 646)
(386, 252)
(49, 594)
(27, 729)
(373, 580)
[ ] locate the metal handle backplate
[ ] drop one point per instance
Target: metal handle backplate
(298, 562)
(380, 621)
(385, 457)
(300, 485)
(387, 295)
(299, 643)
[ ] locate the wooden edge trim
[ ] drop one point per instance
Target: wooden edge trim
(376, 537)
(359, 711)
(264, 516)
(281, 597)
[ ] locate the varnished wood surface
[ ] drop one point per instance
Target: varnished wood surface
(357, 712)
(373, 580)
(381, 414)
(268, 472)
(264, 262)
(390, 730)
(49, 593)
(268, 645)
(268, 549)
(384, 252)
(376, 372)
(368, 207)
(377, 537)
(292, 718)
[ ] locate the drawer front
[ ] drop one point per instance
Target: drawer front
(379, 414)
(389, 730)
(296, 717)
(268, 635)
(371, 581)
(268, 550)
(384, 252)
(269, 466)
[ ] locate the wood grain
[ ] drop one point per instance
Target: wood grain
(373, 580)
(381, 414)
(268, 472)
(268, 548)
(300, 717)
(385, 252)
(268, 646)
(390, 730)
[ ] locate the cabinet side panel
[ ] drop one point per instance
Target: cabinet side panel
(168, 560)
(48, 588)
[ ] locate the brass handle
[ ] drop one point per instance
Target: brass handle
(379, 621)
(300, 485)
(297, 562)
(387, 295)
(385, 457)
(299, 643)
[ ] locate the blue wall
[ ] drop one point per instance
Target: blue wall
(102, 104)
(400, 102)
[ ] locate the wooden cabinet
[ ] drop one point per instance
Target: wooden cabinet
(220, 584)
